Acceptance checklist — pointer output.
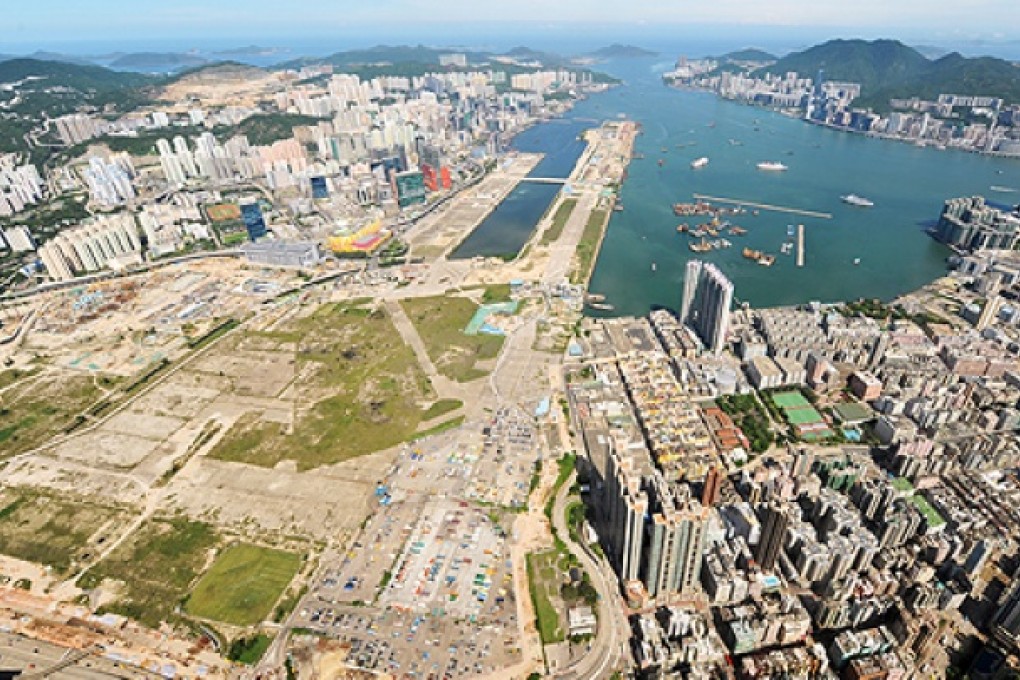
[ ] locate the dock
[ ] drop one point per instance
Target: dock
(764, 206)
(800, 245)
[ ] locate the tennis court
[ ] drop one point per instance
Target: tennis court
(790, 400)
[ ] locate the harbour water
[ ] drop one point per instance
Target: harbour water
(907, 184)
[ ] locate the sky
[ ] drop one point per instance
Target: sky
(48, 22)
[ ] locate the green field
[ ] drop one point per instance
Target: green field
(587, 247)
(156, 566)
(555, 230)
(243, 584)
(790, 400)
(49, 530)
(440, 322)
(361, 391)
(901, 484)
(36, 409)
(802, 416)
(441, 408)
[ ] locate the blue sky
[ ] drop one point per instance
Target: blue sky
(49, 21)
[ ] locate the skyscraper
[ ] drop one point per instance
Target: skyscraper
(705, 307)
(675, 541)
(775, 519)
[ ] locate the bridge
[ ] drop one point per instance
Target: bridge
(546, 180)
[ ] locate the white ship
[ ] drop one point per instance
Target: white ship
(699, 163)
(859, 201)
(772, 166)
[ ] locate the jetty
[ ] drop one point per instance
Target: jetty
(765, 206)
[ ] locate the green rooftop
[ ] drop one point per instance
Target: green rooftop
(933, 518)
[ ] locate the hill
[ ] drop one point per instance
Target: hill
(873, 64)
(80, 77)
(381, 54)
(888, 69)
(750, 54)
(618, 51)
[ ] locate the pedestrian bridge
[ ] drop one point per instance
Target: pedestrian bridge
(546, 180)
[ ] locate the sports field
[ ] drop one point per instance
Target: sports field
(223, 212)
(790, 400)
(243, 584)
(802, 416)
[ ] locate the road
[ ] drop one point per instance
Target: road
(609, 648)
(36, 659)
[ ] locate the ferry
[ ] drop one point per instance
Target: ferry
(772, 166)
(855, 200)
(699, 163)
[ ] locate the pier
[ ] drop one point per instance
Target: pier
(545, 180)
(764, 206)
(800, 245)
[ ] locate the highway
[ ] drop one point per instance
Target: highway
(610, 646)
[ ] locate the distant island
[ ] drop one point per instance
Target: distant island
(161, 60)
(249, 51)
(618, 51)
(747, 55)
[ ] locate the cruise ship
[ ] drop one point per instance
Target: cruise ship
(859, 201)
(772, 166)
(699, 163)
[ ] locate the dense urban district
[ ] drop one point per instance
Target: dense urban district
(257, 419)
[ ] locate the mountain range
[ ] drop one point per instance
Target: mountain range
(888, 69)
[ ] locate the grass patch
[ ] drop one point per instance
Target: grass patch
(587, 247)
(441, 427)
(441, 408)
(441, 321)
(559, 221)
(931, 515)
(361, 391)
(248, 650)
(544, 582)
(157, 566)
(243, 584)
(34, 412)
(37, 527)
(497, 292)
(901, 484)
(748, 414)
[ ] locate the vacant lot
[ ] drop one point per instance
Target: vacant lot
(440, 322)
(35, 409)
(243, 584)
(157, 567)
(588, 246)
(42, 528)
(359, 390)
(559, 221)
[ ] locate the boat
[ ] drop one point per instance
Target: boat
(857, 260)
(723, 243)
(662, 162)
(665, 150)
(602, 306)
(751, 254)
(737, 231)
(701, 247)
(712, 124)
(618, 207)
(855, 200)
(595, 297)
(1003, 190)
(790, 230)
(772, 166)
(786, 248)
(736, 142)
(682, 228)
(699, 163)
(653, 266)
(767, 260)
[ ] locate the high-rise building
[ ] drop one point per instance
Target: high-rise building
(674, 544)
(251, 213)
(712, 486)
(774, 519)
(705, 307)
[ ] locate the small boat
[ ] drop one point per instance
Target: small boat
(699, 163)
(665, 150)
(653, 267)
(751, 254)
(662, 162)
(682, 228)
(786, 248)
(737, 231)
(767, 260)
(711, 125)
(736, 142)
(855, 200)
(857, 260)
(772, 166)
(602, 306)
(755, 213)
(790, 231)
(618, 207)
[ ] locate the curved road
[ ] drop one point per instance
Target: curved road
(609, 647)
